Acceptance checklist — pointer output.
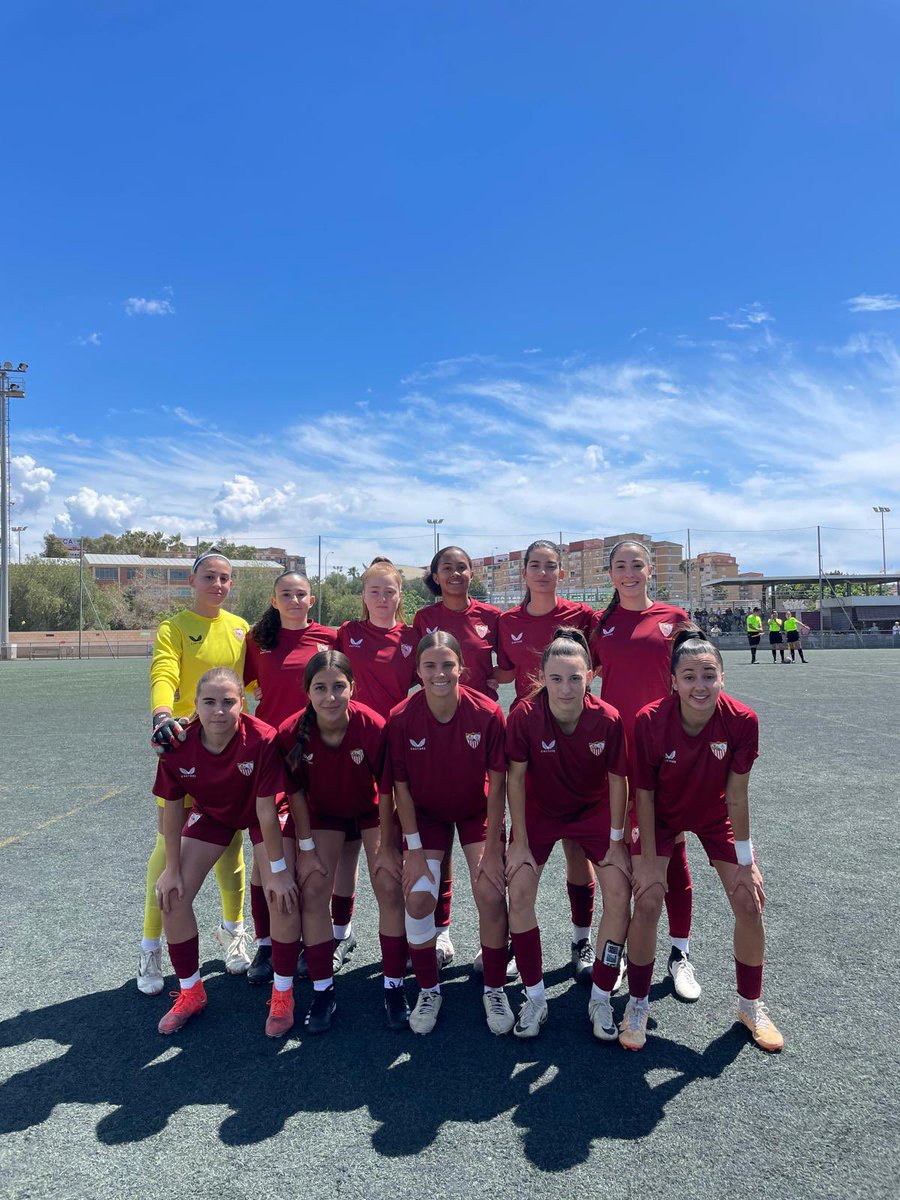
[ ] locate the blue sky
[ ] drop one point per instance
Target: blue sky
(287, 269)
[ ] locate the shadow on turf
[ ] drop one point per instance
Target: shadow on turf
(564, 1089)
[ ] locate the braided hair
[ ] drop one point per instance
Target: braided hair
(266, 630)
(615, 601)
(307, 719)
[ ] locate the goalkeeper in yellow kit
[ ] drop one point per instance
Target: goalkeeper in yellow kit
(187, 645)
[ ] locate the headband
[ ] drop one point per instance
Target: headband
(209, 554)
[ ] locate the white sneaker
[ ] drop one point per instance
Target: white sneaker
(620, 979)
(236, 947)
(532, 1015)
(499, 1015)
(149, 975)
(633, 1029)
(600, 1014)
(423, 1017)
(444, 949)
(682, 971)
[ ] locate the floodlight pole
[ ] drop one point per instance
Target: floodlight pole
(881, 510)
(7, 391)
(435, 521)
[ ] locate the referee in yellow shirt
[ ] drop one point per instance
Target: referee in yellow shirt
(754, 633)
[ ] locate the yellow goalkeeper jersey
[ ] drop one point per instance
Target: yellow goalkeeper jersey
(187, 645)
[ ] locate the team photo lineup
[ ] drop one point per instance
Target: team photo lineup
(389, 738)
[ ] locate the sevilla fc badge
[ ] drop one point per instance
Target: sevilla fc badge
(718, 749)
(357, 756)
(474, 740)
(596, 748)
(665, 628)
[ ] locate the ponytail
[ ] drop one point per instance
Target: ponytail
(567, 642)
(539, 544)
(266, 630)
(691, 640)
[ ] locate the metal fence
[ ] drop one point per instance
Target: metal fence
(63, 650)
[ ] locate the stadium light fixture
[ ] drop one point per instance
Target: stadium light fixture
(435, 521)
(881, 509)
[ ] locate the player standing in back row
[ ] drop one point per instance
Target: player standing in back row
(632, 651)
(523, 633)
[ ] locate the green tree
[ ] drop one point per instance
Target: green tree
(477, 590)
(251, 593)
(54, 547)
(44, 596)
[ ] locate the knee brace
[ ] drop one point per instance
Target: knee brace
(420, 930)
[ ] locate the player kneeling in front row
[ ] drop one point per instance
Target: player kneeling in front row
(334, 751)
(567, 779)
(694, 751)
(448, 768)
(229, 765)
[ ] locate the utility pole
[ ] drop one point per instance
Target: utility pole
(690, 568)
(319, 618)
(19, 530)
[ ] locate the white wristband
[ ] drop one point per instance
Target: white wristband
(617, 835)
(413, 841)
(277, 864)
(307, 844)
(744, 851)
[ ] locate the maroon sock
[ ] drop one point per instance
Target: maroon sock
(494, 965)
(185, 957)
(284, 957)
(425, 966)
(639, 979)
(680, 896)
(529, 960)
(442, 908)
(605, 977)
(394, 952)
(342, 909)
(749, 979)
(260, 910)
(320, 960)
(581, 902)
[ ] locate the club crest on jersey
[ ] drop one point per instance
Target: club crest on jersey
(194, 818)
(515, 637)
(356, 643)
(474, 740)
(548, 747)
(405, 650)
(187, 772)
(608, 632)
(670, 757)
(307, 758)
(596, 748)
(357, 756)
(665, 628)
(245, 768)
(320, 646)
(718, 749)
(414, 745)
(482, 630)
(239, 634)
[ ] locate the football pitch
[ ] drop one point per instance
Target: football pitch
(95, 1103)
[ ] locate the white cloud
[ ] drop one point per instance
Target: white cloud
(242, 501)
(29, 484)
(593, 456)
(188, 417)
(91, 513)
(532, 350)
(89, 339)
(140, 306)
(866, 303)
